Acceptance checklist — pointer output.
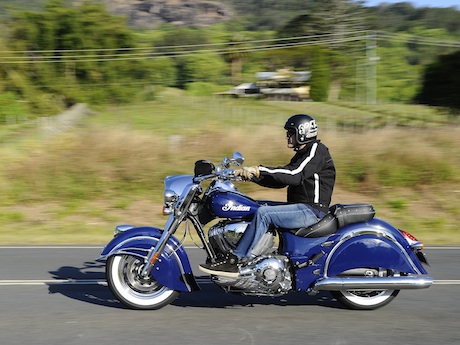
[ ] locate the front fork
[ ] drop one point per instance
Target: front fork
(170, 228)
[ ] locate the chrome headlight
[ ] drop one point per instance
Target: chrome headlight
(170, 197)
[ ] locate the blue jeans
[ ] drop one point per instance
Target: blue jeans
(290, 216)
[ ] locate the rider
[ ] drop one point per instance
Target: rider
(310, 178)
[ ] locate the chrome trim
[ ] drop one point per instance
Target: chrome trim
(327, 244)
(417, 246)
(167, 210)
(232, 232)
(115, 250)
(127, 251)
(376, 283)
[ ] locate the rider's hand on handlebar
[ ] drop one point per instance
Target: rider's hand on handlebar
(246, 173)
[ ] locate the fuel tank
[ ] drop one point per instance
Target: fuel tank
(231, 204)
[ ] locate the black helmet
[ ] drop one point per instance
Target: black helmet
(304, 126)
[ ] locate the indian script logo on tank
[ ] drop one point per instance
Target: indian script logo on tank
(230, 207)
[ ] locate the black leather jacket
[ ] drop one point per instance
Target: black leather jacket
(310, 176)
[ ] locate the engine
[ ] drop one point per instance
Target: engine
(224, 236)
(265, 275)
(268, 274)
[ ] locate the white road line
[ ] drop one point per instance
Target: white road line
(447, 282)
(52, 247)
(186, 247)
(104, 283)
(51, 282)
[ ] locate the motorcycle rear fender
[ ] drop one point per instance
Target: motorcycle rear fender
(172, 269)
(372, 244)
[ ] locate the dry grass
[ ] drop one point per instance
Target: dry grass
(74, 188)
(78, 186)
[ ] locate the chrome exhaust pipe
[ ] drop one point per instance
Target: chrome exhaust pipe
(375, 283)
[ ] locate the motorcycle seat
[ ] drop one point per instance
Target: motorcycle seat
(339, 215)
(326, 226)
(352, 213)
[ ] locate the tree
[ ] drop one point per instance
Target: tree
(333, 19)
(181, 44)
(11, 108)
(441, 82)
(320, 76)
(203, 67)
(71, 49)
(235, 55)
(336, 24)
(269, 14)
(296, 58)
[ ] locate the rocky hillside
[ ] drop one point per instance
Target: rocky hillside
(151, 13)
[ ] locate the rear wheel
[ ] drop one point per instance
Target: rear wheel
(365, 300)
(131, 288)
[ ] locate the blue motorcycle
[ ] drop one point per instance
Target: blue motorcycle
(362, 260)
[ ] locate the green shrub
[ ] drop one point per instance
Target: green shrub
(406, 169)
(398, 205)
(10, 216)
(11, 109)
(201, 89)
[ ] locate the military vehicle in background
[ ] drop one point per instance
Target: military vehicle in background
(282, 85)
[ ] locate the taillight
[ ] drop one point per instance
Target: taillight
(416, 246)
(413, 242)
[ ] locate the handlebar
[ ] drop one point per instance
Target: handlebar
(222, 170)
(224, 174)
(229, 174)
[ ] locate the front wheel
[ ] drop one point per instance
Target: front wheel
(131, 288)
(365, 300)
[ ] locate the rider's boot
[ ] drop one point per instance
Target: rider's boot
(226, 267)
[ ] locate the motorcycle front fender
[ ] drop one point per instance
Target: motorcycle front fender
(376, 244)
(172, 269)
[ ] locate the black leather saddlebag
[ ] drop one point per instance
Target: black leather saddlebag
(352, 213)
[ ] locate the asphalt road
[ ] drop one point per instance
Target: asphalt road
(57, 295)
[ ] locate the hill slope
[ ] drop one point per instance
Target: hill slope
(146, 13)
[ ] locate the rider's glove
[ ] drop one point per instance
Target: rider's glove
(248, 173)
